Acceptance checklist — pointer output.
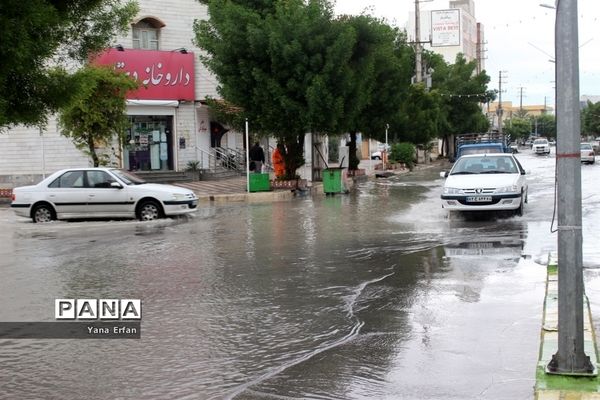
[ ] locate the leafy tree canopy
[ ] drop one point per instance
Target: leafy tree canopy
(284, 64)
(462, 92)
(546, 125)
(591, 119)
(98, 113)
(518, 128)
(39, 40)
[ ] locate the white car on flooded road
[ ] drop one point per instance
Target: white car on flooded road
(541, 146)
(485, 182)
(100, 193)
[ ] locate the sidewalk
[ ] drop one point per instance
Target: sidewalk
(555, 386)
(234, 189)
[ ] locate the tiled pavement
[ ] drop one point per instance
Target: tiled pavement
(212, 188)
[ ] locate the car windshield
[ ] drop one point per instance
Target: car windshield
(586, 146)
(484, 165)
(127, 177)
(540, 141)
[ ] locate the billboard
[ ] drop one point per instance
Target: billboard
(445, 28)
(162, 75)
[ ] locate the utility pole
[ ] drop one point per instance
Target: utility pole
(500, 110)
(418, 49)
(570, 358)
(418, 55)
(544, 104)
(521, 99)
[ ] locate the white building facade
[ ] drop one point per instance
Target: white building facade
(170, 125)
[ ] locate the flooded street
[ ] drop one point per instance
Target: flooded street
(373, 295)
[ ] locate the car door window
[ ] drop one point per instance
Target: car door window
(99, 179)
(70, 179)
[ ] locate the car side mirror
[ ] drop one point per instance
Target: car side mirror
(444, 174)
(116, 185)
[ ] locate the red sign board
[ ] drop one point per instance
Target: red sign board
(162, 75)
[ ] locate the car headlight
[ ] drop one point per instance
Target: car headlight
(507, 189)
(179, 196)
(450, 190)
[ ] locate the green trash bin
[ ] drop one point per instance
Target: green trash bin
(332, 180)
(259, 182)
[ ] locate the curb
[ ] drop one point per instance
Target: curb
(256, 197)
(553, 386)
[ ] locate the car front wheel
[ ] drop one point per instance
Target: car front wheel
(148, 210)
(519, 211)
(43, 213)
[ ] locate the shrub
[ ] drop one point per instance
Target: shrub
(193, 166)
(404, 153)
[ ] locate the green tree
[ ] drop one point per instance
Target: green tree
(373, 90)
(39, 39)
(518, 128)
(98, 113)
(590, 116)
(379, 81)
(546, 125)
(405, 153)
(419, 115)
(462, 92)
(282, 62)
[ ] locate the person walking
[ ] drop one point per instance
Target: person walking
(257, 156)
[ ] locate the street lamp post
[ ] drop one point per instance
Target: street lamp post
(385, 152)
(247, 158)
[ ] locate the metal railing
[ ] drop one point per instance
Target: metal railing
(219, 159)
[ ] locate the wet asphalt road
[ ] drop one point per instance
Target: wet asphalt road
(374, 295)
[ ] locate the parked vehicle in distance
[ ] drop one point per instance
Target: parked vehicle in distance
(514, 147)
(552, 142)
(541, 146)
(100, 193)
(488, 182)
(587, 153)
(378, 155)
(481, 143)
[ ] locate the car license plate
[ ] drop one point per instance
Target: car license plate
(194, 202)
(479, 199)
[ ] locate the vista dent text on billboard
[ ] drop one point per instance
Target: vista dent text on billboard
(162, 75)
(445, 28)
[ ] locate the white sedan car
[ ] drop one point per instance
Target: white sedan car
(587, 153)
(485, 182)
(541, 146)
(100, 193)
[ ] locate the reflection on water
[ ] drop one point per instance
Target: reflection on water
(370, 295)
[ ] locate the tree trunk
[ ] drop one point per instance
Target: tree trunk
(92, 151)
(353, 160)
(293, 155)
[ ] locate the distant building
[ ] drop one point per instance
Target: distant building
(471, 38)
(509, 111)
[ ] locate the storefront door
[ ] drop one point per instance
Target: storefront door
(149, 143)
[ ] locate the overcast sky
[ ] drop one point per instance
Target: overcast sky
(520, 41)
